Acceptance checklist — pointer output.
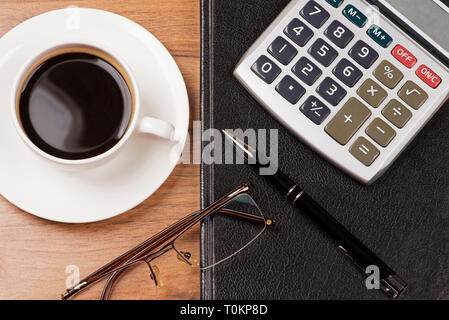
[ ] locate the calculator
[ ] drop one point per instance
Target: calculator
(347, 80)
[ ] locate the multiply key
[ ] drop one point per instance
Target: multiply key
(372, 93)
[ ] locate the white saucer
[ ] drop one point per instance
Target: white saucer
(138, 170)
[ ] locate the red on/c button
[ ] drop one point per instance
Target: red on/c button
(428, 76)
(404, 56)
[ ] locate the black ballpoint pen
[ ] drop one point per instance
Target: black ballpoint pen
(352, 247)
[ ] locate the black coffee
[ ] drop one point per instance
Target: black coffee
(75, 106)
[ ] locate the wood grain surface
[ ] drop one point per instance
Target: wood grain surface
(35, 254)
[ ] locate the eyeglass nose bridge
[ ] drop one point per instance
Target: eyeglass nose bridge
(155, 273)
(184, 256)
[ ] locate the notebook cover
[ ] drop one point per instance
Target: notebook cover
(403, 217)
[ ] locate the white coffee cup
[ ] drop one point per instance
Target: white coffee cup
(138, 123)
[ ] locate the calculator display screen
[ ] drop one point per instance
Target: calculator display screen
(431, 16)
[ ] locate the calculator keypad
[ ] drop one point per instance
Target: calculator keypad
(315, 14)
(339, 34)
(358, 83)
(323, 52)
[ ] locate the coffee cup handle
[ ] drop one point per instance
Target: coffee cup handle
(159, 128)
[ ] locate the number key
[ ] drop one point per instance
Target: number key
(347, 73)
(315, 14)
(363, 54)
(298, 32)
(266, 69)
(339, 34)
(282, 50)
(331, 91)
(307, 71)
(323, 52)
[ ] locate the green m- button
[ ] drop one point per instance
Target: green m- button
(354, 15)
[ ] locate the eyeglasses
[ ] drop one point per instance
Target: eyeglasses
(235, 210)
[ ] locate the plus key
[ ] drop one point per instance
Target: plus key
(348, 121)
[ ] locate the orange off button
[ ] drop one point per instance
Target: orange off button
(404, 56)
(428, 76)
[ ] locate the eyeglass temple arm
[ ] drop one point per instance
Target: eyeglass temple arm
(154, 242)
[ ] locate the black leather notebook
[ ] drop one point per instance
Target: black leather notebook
(403, 216)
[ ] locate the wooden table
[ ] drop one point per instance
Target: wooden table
(35, 253)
